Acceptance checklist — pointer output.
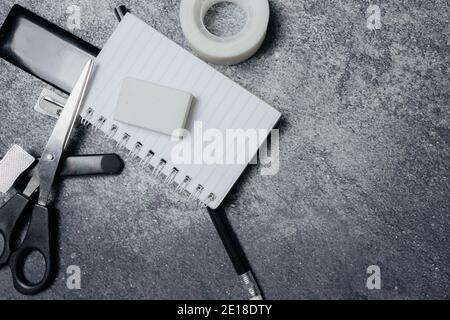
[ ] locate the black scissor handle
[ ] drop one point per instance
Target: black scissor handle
(38, 239)
(9, 215)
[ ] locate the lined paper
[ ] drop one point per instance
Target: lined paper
(139, 51)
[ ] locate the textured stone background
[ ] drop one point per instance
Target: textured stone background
(365, 157)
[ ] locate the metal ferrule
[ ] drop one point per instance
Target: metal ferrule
(251, 286)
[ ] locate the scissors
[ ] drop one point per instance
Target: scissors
(39, 236)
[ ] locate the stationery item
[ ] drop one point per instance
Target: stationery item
(120, 11)
(89, 165)
(50, 106)
(43, 49)
(225, 50)
(50, 103)
(137, 50)
(15, 162)
(235, 252)
(39, 235)
(153, 107)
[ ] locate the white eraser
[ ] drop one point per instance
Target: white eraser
(154, 107)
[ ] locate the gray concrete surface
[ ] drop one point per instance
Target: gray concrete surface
(365, 159)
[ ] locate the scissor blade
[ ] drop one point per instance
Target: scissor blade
(51, 157)
(75, 100)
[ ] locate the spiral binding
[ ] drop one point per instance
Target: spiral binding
(135, 151)
(112, 132)
(122, 143)
(159, 168)
(171, 177)
(99, 124)
(86, 119)
(146, 160)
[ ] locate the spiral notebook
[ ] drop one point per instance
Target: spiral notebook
(137, 50)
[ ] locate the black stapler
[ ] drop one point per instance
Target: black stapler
(43, 49)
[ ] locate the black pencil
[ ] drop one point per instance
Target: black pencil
(235, 252)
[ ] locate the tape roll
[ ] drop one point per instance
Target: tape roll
(225, 50)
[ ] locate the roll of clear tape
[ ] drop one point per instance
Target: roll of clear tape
(225, 50)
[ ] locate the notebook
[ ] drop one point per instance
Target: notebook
(138, 51)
